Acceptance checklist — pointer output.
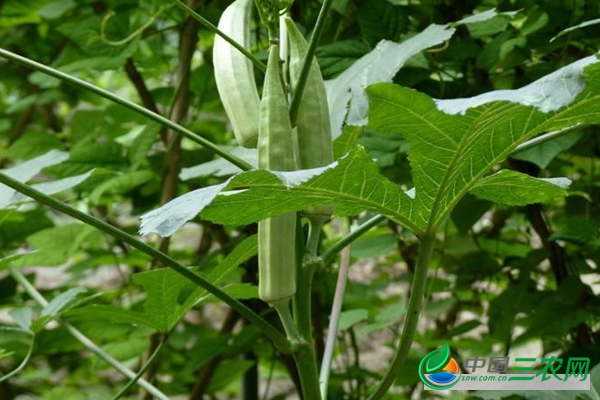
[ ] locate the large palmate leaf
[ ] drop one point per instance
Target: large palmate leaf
(352, 185)
(451, 150)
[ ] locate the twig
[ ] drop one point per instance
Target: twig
(38, 298)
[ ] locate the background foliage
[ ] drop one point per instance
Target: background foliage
(508, 279)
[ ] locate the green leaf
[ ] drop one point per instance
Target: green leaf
(220, 166)
(379, 19)
(56, 245)
(385, 319)
(227, 372)
(121, 183)
(584, 24)
(543, 153)
(86, 156)
(334, 58)
(352, 185)
(169, 296)
(56, 306)
(451, 150)
(54, 187)
(27, 170)
(374, 246)
(485, 16)
(350, 318)
(139, 149)
(23, 317)
(32, 144)
(517, 189)
(110, 313)
(577, 231)
(167, 219)
(346, 93)
(468, 211)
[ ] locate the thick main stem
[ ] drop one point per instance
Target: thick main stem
(415, 303)
(306, 362)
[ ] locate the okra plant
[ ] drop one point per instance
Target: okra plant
(324, 148)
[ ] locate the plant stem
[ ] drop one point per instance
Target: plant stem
(314, 233)
(310, 53)
(285, 315)
(38, 298)
(413, 311)
(128, 104)
(333, 251)
(270, 331)
(304, 351)
(304, 278)
(336, 308)
(19, 368)
(306, 362)
(142, 370)
(259, 64)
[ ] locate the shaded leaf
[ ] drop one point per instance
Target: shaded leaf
(517, 189)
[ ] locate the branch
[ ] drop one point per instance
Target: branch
(259, 64)
(128, 104)
(310, 53)
(413, 311)
(38, 298)
(278, 339)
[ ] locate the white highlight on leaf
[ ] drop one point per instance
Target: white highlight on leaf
(27, 170)
(167, 219)
(346, 93)
(221, 167)
(294, 178)
(549, 93)
(54, 187)
(563, 183)
(484, 16)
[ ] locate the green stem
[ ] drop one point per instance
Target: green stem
(128, 104)
(304, 278)
(304, 352)
(413, 311)
(314, 233)
(142, 370)
(278, 339)
(38, 298)
(332, 330)
(259, 64)
(285, 315)
(19, 368)
(310, 53)
(332, 252)
(306, 362)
